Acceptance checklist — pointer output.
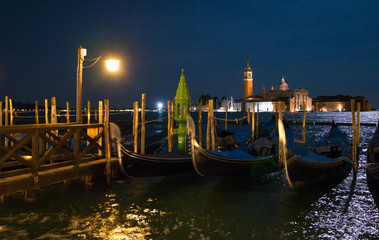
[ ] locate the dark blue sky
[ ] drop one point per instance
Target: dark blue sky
(327, 47)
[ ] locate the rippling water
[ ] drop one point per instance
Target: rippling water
(192, 207)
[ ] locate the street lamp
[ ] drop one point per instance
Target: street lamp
(112, 65)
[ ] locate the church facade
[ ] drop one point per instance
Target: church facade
(267, 101)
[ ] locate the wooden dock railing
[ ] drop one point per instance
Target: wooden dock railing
(35, 155)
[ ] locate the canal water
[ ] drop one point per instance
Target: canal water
(193, 207)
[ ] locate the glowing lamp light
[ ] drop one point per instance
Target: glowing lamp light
(159, 105)
(112, 65)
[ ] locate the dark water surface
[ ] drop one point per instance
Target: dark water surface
(192, 207)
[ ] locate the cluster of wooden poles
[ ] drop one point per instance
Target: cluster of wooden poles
(8, 112)
(252, 118)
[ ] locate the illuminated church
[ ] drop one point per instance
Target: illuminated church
(267, 100)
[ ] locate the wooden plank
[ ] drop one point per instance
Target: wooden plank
(13, 184)
(53, 149)
(54, 143)
(92, 143)
(17, 146)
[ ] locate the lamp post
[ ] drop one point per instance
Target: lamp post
(112, 65)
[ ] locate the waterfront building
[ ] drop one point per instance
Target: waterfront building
(267, 100)
(339, 103)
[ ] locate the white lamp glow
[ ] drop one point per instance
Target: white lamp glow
(159, 105)
(112, 65)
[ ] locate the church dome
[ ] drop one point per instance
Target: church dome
(283, 86)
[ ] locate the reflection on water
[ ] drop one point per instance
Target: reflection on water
(192, 207)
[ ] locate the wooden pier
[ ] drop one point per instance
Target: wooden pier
(36, 155)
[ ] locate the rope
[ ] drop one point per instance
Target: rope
(273, 162)
(230, 120)
(366, 166)
(346, 159)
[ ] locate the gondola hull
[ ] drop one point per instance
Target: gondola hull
(136, 165)
(372, 173)
(326, 163)
(208, 164)
(303, 172)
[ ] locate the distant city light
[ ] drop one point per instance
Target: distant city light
(159, 105)
(112, 65)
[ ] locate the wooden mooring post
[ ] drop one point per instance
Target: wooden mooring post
(6, 112)
(67, 112)
(169, 142)
(107, 141)
(135, 125)
(1, 113)
(143, 130)
(172, 126)
(280, 118)
(253, 122)
(304, 112)
(257, 123)
(200, 121)
(354, 141)
(248, 116)
(213, 126)
(226, 118)
(36, 111)
(46, 111)
(208, 139)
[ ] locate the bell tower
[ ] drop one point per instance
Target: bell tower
(247, 80)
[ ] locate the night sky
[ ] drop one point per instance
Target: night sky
(327, 47)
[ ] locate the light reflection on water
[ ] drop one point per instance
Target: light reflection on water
(191, 207)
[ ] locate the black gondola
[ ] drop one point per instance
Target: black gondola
(327, 162)
(232, 163)
(160, 164)
(153, 144)
(135, 165)
(372, 171)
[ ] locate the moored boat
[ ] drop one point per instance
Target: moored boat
(328, 161)
(153, 144)
(372, 171)
(231, 163)
(159, 164)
